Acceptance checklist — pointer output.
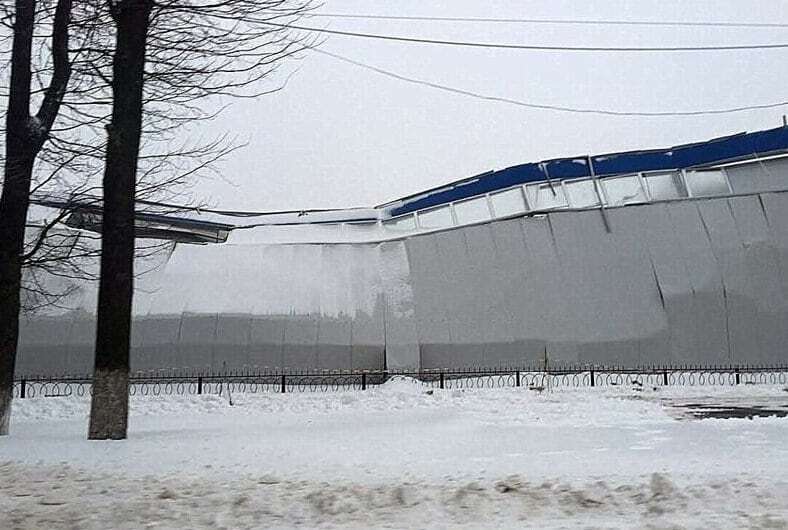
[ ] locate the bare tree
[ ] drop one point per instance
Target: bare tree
(25, 135)
(65, 158)
(193, 50)
(197, 51)
(109, 406)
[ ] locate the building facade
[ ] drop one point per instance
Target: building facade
(673, 256)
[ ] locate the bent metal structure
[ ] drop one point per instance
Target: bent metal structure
(667, 256)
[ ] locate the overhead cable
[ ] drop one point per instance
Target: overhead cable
(552, 21)
(530, 47)
(539, 106)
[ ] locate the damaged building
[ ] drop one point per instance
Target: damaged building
(668, 256)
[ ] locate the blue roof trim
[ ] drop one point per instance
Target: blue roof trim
(679, 157)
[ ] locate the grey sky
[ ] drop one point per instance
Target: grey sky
(341, 136)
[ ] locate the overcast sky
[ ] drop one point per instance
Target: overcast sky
(340, 136)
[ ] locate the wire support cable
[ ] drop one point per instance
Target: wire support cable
(553, 21)
(538, 106)
(531, 47)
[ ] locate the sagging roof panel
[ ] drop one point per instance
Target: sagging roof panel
(743, 145)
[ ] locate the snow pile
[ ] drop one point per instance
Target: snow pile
(59, 496)
(401, 384)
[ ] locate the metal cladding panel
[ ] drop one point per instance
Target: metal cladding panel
(266, 341)
(187, 269)
(522, 305)
(741, 317)
(238, 266)
(245, 286)
(196, 342)
(672, 283)
(698, 281)
(41, 344)
(761, 267)
(367, 349)
(593, 270)
(335, 306)
(775, 208)
(462, 293)
(63, 345)
(334, 339)
(774, 174)
(397, 304)
(157, 343)
(499, 346)
(332, 269)
(646, 319)
(81, 343)
(367, 328)
(233, 336)
(429, 297)
(663, 285)
(708, 314)
(544, 306)
(300, 342)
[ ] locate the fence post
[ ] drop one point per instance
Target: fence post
(737, 375)
(441, 380)
(363, 381)
(593, 378)
(517, 378)
(283, 383)
(23, 390)
(665, 378)
(199, 385)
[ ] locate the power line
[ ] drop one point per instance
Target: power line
(538, 106)
(556, 21)
(531, 47)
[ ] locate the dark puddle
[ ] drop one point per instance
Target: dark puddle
(704, 411)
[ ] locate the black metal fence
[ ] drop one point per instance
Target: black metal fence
(180, 382)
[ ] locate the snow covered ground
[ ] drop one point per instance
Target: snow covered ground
(398, 457)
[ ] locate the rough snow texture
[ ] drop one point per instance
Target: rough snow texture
(398, 457)
(86, 501)
(699, 281)
(6, 401)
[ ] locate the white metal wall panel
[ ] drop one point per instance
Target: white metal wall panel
(707, 316)
(400, 331)
(525, 309)
(463, 294)
(499, 346)
(430, 300)
(544, 305)
(691, 281)
(645, 322)
(673, 287)
(760, 267)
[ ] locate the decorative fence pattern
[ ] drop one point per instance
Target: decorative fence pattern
(254, 381)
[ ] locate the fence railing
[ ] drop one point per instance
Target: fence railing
(183, 382)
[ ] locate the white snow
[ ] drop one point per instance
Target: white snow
(396, 456)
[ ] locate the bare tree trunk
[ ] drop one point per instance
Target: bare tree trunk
(109, 406)
(25, 136)
(14, 201)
